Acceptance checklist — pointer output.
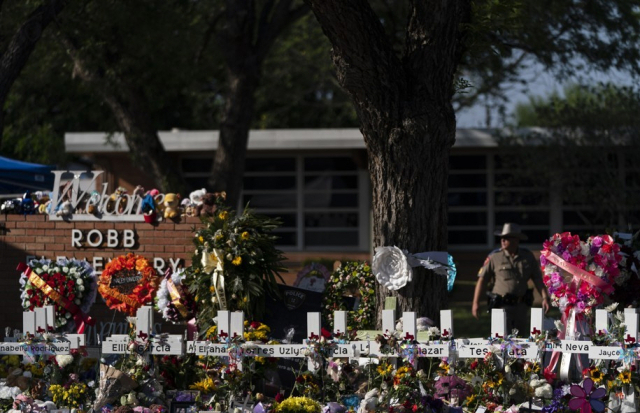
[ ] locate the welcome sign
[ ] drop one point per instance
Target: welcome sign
(123, 207)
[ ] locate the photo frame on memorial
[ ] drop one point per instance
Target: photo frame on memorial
(181, 407)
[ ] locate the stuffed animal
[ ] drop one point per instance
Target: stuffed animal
(196, 196)
(148, 208)
(27, 205)
(111, 205)
(92, 203)
(66, 210)
(171, 206)
(208, 206)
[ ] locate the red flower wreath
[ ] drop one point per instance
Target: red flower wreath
(128, 282)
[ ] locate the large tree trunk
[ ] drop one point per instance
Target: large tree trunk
(20, 47)
(229, 160)
(141, 136)
(408, 123)
(245, 41)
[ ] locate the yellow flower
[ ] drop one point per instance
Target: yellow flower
(223, 215)
(211, 332)
(471, 399)
(625, 377)
(205, 386)
(245, 236)
(596, 375)
(200, 238)
(237, 260)
(384, 371)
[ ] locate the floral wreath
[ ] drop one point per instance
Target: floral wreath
(69, 285)
(134, 283)
(593, 266)
(174, 300)
(354, 277)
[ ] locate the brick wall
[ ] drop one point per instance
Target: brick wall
(34, 235)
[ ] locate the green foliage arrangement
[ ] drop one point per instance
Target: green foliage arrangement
(356, 279)
(240, 249)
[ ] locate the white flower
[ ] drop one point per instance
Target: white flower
(45, 267)
(64, 360)
(81, 287)
(545, 391)
(391, 268)
(77, 301)
(39, 271)
(611, 307)
(79, 282)
(212, 260)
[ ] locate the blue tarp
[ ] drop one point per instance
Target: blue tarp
(17, 176)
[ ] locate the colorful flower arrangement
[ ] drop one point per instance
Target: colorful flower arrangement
(69, 285)
(592, 265)
(128, 282)
(74, 395)
(236, 264)
(352, 278)
(174, 301)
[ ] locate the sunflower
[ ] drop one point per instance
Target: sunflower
(596, 375)
(625, 377)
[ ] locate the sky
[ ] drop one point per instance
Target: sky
(540, 83)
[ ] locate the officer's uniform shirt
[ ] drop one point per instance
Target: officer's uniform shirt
(510, 274)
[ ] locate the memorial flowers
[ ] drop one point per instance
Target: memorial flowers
(235, 264)
(592, 266)
(128, 282)
(355, 279)
(391, 267)
(174, 301)
(69, 285)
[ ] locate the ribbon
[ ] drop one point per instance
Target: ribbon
(78, 316)
(175, 298)
(578, 273)
(212, 262)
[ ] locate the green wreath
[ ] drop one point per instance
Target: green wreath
(353, 278)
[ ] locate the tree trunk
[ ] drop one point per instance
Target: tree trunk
(229, 160)
(141, 136)
(408, 123)
(20, 47)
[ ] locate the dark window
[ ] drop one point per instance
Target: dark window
(331, 219)
(270, 165)
(331, 238)
(271, 201)
(329, 164)
(508, 198)
(288, 220)
(467, 218)
(467, 181)
(286, 238)
(197, 165)
(327, 182)
(467, 199)
(330, 200)
(467, 162)
(269, 182)
(467, 237)
(523, 217)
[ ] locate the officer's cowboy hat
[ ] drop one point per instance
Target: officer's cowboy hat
(511, 230)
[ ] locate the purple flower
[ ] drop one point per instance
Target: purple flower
(596, 241)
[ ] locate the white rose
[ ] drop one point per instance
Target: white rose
(77, 301)
(65, 269)
(45, 267)
(64, 360)
(79, 281)
(39, 271)
(81, 287)
(391, 268)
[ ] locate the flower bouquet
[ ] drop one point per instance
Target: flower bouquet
(69, 285)
(113, 384)
(236, 264)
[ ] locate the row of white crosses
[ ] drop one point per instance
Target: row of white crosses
(231, 324)
(36, 323)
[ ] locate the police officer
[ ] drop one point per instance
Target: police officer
(506, 273)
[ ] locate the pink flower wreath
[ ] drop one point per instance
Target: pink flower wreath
(592, 266)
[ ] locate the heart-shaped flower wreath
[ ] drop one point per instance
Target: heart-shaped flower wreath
(592, 268)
